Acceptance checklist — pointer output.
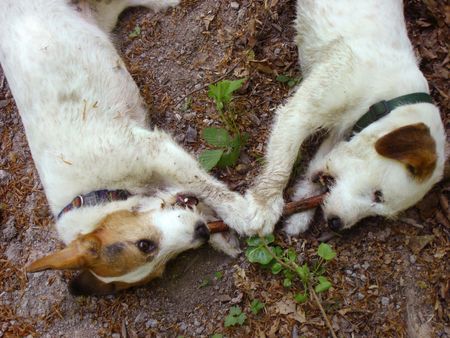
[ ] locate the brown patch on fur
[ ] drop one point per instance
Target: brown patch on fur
(412, 145)
(110, 250)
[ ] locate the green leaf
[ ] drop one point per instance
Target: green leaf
(256, 306)
(241, 318)
(291, 255)
(235, 316)
(205, 282)
(301, 297)
(235, 310)
(209, 158)
(323, 285)
(277, 251)
(326, 252)
(136, 31)
(303, 272)
(276, 268)
(258, 255)
(217, 137)
(254, 241)
(229, 158)
(283, 78)
(218, 275)
(287, 283)
(239, 140)
(217, 335)
(230, 321)
(223, 90)
(269, 238)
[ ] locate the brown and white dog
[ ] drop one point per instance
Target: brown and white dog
(362, 84)
(117, 187)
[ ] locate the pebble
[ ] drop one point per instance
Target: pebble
(115, 335)
(234, 5)
(366, 265)
(9, 231)
(385, 301)
(242, 168)
(360, 296)
(4, 176)
(151, 323)
(183, 326)
(190, 116)
(191, 134)
(199, 330)
(412, 259)
(3, 103)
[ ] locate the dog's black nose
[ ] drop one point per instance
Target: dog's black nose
(334, 223)
(201, 231)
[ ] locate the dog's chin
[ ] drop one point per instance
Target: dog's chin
(86, 284)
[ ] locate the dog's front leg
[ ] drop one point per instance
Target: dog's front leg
(318, 103)
(164, 159)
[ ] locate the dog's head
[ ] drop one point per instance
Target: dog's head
(386, 168)
(130, 247)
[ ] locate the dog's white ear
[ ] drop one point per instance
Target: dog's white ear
(76, 256)
(412, 145)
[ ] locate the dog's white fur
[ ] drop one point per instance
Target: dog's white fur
(353, 54)
(86, 122)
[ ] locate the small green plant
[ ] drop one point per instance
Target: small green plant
(227, 147)
(235, 317)
(205, 282)
(217, 335)
(136, 32)
(218, 275)
(288, 80)
(262, 250)
(256, 306)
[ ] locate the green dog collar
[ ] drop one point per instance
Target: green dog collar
(382, 108)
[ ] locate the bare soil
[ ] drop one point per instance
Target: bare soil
(390, 278)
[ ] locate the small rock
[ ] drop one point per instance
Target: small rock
(14, 252)
(182, 326)
(190, 116)
(3, 103)
(199, 330)
(191, 134)
(224, 298)
(196, 322)
(360, 296)
(277, 51)
(151, 323)
(348, 272)
(115, 335)
(242, 168)
(9, 231)
(234, 5)
(366, 265)
(412, 259)
(385, 301)
(4, 176)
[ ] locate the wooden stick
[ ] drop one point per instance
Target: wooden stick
(289, 209)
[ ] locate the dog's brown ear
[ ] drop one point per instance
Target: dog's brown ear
(76, 256)
(412, 145)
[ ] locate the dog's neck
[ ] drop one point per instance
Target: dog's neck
(383, 108)
(95, 198)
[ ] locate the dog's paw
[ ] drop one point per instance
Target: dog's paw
(254, 215)
(298, 223)
(226, 242)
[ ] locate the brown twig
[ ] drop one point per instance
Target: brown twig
(324, 314)
(289, 209)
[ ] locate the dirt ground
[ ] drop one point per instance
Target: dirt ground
(390, 278)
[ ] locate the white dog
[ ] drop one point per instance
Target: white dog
(121, 192)
(385, 147)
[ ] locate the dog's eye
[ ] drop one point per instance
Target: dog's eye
(378, 196)
(145, 245)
